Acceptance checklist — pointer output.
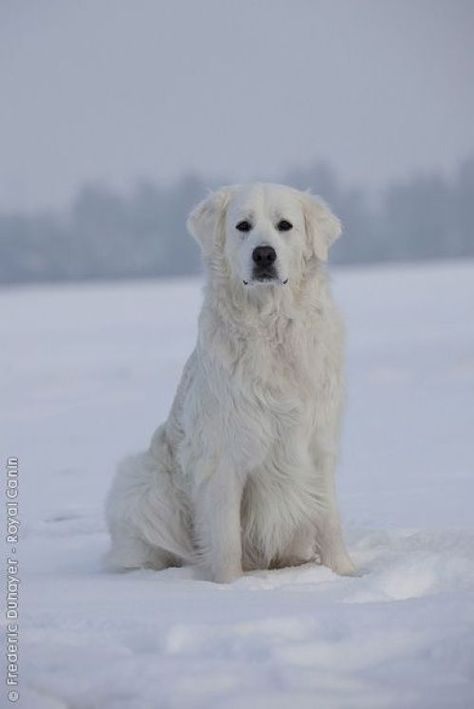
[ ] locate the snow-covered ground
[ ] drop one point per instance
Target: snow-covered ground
(87, 373)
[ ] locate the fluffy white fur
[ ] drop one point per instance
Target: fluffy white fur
(241, 475)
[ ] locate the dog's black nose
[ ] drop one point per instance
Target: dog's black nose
(264, 256)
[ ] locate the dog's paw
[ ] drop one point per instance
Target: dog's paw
(227, 574)
(342, 565)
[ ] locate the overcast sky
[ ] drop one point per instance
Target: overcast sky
(118, 89)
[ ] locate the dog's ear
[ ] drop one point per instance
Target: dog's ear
(322, 226)
(206, 221)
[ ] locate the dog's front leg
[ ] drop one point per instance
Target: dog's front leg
(330, 537)
(332, 548)
(217, 502)
(330, 540)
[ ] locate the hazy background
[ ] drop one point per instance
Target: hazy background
(116, 116)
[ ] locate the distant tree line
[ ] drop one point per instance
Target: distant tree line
(108, 235)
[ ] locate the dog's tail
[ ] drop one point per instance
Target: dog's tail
(147, 514)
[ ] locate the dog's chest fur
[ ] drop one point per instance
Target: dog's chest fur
(266, 369)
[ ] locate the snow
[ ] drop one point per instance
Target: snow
(88, 371)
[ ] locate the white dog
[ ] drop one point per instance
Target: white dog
(241, 475)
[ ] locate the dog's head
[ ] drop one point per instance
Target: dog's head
(266, 234)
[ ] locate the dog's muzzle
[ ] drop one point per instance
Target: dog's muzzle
(264, 258)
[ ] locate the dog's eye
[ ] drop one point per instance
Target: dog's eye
(243, 226)
(284, 225)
